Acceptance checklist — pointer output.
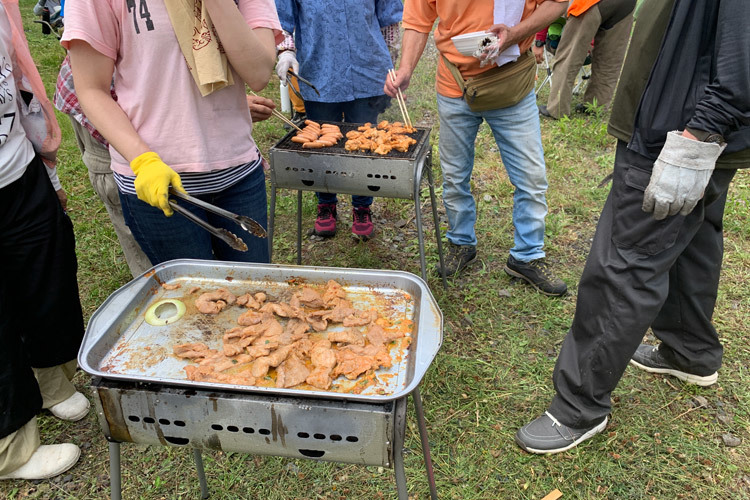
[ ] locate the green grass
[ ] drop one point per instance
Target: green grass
(493, 373)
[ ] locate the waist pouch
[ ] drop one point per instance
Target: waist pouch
(499, 87)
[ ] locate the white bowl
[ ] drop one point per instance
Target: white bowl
(468, 43)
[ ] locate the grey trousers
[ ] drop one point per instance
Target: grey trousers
(97, 161)
(641, 273)
(607, 55)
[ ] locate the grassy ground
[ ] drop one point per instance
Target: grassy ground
(493, 373)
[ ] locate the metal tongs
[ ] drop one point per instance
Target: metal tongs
(247, 223)
(306, 82)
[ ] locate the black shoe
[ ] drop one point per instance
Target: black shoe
(298, 119)
(457, 258)
(546, 435)
(544, 111)
(648, 357)
(538, 274)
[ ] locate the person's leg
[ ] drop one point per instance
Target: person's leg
(166, 238)
(97, 161)
(326, 112)
(606, 61)
(571, 53)
(17, 447)
(624, 286)
(55, 383)
(689, 340)
(246, 197)
(517, 133)
(458, 130)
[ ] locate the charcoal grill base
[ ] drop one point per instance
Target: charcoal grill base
(331, 430)
(356, 174)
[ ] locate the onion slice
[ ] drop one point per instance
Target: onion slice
(165, 312)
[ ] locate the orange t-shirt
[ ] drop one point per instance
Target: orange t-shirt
(578, 7)
(456, 18)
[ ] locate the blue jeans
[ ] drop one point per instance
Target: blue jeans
(357, 111)
(165, 238)
(518, 136)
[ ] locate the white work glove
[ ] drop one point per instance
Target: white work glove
(680, 175)
(287, 60)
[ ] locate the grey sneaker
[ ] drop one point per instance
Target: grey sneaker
(546, 435)
(457, 258)
(537, 273)
(648, 357)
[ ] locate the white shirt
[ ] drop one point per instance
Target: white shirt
(16, 151)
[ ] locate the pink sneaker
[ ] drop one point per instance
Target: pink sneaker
(362, 223)
(325, 222)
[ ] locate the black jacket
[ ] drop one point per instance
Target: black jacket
(701, 77)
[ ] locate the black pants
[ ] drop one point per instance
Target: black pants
(41, 323)
(641, 273)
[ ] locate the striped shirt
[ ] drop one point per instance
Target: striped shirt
(200, 182)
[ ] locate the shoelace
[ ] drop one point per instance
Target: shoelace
(325, 212)
(542, 268)
(554, 420)
(361, 216)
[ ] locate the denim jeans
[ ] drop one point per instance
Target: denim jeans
(165, 238)
(518, 136)
(357, 111)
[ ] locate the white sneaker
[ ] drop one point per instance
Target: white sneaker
(74, 408)
(47, 461)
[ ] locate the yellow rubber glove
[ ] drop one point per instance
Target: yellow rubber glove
(152, 180)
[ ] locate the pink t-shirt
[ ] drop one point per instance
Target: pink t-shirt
(190, 133)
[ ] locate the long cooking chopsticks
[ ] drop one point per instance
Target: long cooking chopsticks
(400, 99)
(281, 116)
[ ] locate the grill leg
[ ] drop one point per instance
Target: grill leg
(271, 217)
(201, 473)
(425, 442)
(299, 228)
(438, 237)
(115, 484)
(398, 449)
(420, 237)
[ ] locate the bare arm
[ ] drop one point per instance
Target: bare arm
(251, 52)
(412, 46)
(92, 75)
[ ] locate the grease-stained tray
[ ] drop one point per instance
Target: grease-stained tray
(120, 345)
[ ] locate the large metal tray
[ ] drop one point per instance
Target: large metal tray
(119, 344)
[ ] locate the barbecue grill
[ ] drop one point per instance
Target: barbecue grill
(336, 170)
(142, 397)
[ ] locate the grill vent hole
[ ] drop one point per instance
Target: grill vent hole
(248, 430)
(179, 423)
(303, 435)
(217, 427)
(164, 421)
(352, 439)
(312, 453)
(134, 418)
(232, 428)
(319, 436)
(308, 183)
(149, 420)
(265, 432)
(373, 188)
(176, 440)
(335, 437)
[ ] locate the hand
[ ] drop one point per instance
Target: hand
(538, 53)
(287, 59)
(152, 180)
(261, 108)
(680, 175)
(63, 199)
(402, 82)
(504, 39)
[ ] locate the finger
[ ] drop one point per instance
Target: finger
(648, 202)
(661, 209)
(688, 207)
(177, 183)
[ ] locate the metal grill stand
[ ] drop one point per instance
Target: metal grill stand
(344, 431)
(335, 170)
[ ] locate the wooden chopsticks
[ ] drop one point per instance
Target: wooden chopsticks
(400, 99)
(281, 116)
